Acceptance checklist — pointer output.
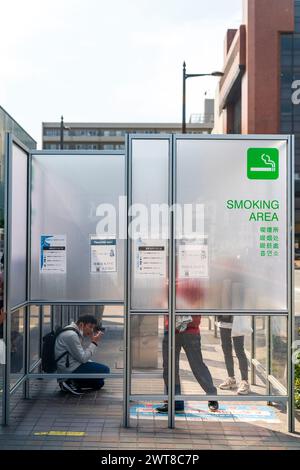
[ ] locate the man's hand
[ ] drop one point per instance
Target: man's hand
(95, 338)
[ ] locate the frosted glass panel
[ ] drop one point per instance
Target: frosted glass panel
(17, 263)
(150, 160)
(239, 260)
(68, 193)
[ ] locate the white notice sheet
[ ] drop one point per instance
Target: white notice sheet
(151, 259)
(103, 254)
(192, 261)
(53, 254)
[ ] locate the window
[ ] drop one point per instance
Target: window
(51, 132)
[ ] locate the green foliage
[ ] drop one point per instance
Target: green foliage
(297, 383)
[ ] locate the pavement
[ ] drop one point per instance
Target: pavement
(53, 420)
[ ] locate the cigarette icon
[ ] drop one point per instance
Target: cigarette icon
(270, 165)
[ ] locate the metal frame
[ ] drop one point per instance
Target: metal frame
(290, 283)
(7, 390)
(7, 327)
(58, 154)
(289, 313)
(128, 310)
(28, 371)
(290, 228)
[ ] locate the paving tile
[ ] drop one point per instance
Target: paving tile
(51, 411)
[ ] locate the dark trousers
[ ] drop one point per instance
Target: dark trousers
(238, 342)
(91, 368)
(191, 343)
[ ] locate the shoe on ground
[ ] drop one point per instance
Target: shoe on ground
(229, 384)
(244, 388)
(68, 387)
(213, 406)
(91, 389)
(164, 409)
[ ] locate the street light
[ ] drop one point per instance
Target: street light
(62, 128)
(62, 133)
(189, 75)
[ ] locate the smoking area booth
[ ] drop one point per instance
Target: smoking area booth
(174, 228)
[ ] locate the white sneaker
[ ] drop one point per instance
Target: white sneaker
(229, 384)
(244, 388)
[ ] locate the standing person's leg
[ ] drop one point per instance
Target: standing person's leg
(91, 368)
(238, 342)
(179, 405)
(165, 361)
(226, 342)
(192, 347)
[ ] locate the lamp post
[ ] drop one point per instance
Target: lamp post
(189, 75)
(62, 129)
(62, 133)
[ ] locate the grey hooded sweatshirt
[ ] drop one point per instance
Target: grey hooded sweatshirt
(72, 342)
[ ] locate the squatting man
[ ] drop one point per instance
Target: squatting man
(78, 358)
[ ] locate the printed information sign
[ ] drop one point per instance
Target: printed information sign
(53, 257)
(192, 260)
(151, 258)
(103, 254)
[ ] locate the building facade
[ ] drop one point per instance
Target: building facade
(111, 136)
(261, 65)
(108, 136)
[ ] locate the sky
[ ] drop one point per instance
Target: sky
(109, 60)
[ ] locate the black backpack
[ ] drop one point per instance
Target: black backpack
(49, 363)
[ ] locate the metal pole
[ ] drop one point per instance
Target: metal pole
(27, 309)
(268, 365)
(27, 316)
(41, 316)
(127, 287)
(252, 352)
(62, 133)
(172, 283)
(7, 287)
(183, 98)
(291, 304)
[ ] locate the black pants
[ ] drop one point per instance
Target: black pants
(238, 342)
(191, 343)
